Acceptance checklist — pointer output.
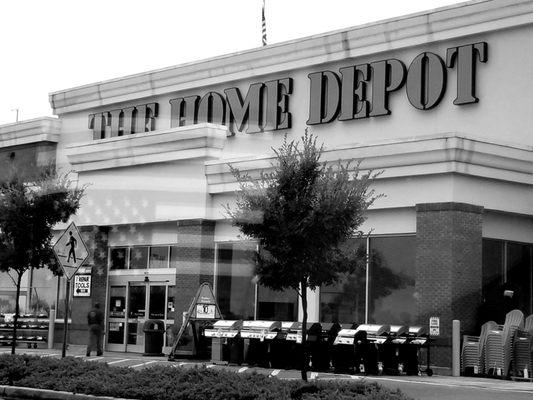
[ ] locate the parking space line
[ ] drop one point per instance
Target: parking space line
(95, 359)
(79, 356)
(50, 355)
(275, 372)
(118, 361)
(211, 366)
(181, 364)
(142, 364)
(241, 370)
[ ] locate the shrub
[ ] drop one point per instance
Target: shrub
(164, 383)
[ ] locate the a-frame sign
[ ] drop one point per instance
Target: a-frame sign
(203, 307)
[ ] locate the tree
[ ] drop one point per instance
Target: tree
(301, 212)
(29, 209)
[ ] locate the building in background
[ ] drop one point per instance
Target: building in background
(439, 101)
(24, 146)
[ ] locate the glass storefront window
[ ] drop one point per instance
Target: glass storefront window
(115, 332)
(137, 302)
(492, 280)
(117, 301)
(344, 301)
(506, 266)
(519, 275)
(119, 258)
(174, 256)
(139, 257)
(60, 310)
(235, 284)
(43, 291)
(158, 257)
(392, 280)
(277, 306)
(171, 311)
(157, 302)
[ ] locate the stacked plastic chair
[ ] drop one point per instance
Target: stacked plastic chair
(499, 346)
(473, 351)
(523, 347)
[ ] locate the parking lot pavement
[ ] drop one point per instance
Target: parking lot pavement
(420, 387)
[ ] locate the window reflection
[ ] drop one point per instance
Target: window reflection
(157, 302)
(158, 257)
(277, 306)
(235, 280)
(171, 307)
(506, 266)
(391, 285)
(139, 257)
(119, 258)
(392, 280)
(117, 301)
(519, 275)
(344, 301)
(137, 302)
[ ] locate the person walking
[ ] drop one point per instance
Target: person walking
(95, 320)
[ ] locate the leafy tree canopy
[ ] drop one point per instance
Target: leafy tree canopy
(28, 212)
(301, 211)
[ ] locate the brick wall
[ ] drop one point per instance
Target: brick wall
(448, 269)
(196, 255)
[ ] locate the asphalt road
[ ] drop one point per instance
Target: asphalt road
(418, 387)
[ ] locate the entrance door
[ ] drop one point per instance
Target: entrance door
(116, 324)
(129, 308)
(136, 316)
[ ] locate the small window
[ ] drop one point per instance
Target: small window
(158, 257)
(174, 256)
(139, 257)
(119, 258)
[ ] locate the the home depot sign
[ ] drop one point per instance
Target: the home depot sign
(352, 92)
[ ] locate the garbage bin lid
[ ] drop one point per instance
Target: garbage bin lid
(153, 324)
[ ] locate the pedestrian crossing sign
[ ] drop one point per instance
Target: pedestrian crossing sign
(70, 250)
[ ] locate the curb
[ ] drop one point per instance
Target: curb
(31, 393)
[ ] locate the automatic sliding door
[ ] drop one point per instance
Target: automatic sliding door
(136, 317)
(117, 319)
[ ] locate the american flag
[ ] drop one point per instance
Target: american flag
(264, 27)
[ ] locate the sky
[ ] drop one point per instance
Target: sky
(52, 45)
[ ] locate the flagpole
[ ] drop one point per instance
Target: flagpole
(263, 25)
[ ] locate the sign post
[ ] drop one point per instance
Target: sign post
(71, 252)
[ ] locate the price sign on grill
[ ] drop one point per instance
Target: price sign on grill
(434, 326)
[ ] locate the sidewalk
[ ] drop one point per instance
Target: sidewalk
(138, 361)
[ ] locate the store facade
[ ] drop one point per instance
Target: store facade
(438, 101)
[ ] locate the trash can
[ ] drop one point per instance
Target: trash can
(154, 332)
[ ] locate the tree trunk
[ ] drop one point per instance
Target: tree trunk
(16, 318)
(304, 330)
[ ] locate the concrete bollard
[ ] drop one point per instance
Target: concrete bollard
(456, 347)
(51, 326)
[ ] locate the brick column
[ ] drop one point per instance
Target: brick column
(196, 255)
(448, 269)
(95, 237)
